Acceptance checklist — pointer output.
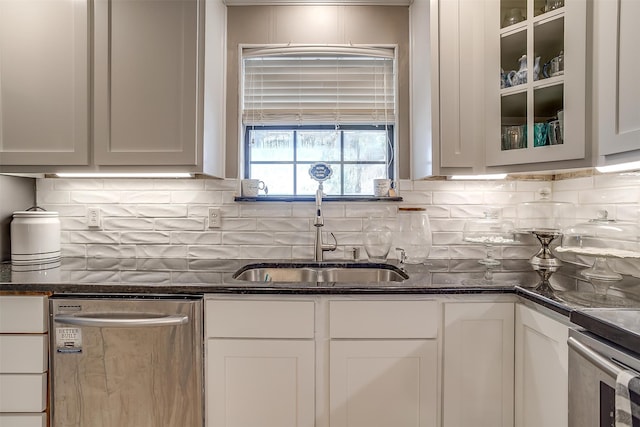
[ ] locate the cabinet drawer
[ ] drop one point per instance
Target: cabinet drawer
(23, 354)
(23, 420)
(383, 319)
(259, 319)
(23, 392)
(23, 314)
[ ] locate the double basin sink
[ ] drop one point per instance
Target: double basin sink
(320, 272)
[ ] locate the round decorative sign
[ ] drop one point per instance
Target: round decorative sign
(320, 171)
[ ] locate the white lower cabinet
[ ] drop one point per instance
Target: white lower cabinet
(478, 364)
(23, 361)
(383, 383)
(324, 362)
(541, 370)
(450, 361)
(260, 369)
(257, 382)
(383, 363)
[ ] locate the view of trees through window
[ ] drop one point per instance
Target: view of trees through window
(282, 155)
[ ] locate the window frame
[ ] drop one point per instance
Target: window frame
(389, 163)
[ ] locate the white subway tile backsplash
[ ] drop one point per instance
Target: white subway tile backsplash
(214, 252)
(293, 239)
(161, 251)
(244, 238)
(179, 184)
(265, 252)
(196, 238)
(149, 277)
(118, 210)
(190, 224)
(74, 184)
(145, 197)
(457, 198)
(414, 198)
(284, 224)
(52, 197)
(446, 238)
(94, 197)
(73, 250)
(127, 224)
(128, 184)
(82, 276)
(266, 210)
(239, 224)
(73, 223)
(168, 217)
(111, 251)
(162, 211)
(95, 237)
(145, 237)
(202, 197)
(623, 195)
(617, 180)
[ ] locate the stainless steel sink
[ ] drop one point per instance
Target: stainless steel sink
(320, 273)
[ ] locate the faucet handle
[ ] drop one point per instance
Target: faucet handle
(331, 246)
(402, 255)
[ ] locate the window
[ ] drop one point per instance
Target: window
(307, 104)
(282, 155)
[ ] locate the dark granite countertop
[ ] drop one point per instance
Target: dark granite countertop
(565, 292)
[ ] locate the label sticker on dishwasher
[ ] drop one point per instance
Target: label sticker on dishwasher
(68, 340)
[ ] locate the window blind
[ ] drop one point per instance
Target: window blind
(303, 85)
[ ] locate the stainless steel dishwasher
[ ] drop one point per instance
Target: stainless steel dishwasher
(126, 361)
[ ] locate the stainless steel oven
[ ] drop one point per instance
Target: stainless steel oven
(594, 364)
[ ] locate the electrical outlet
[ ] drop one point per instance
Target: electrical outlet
(215, 218)
(93, 217)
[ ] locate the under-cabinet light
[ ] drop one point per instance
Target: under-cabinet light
(619, 168)
(479, 177)
(124, 175)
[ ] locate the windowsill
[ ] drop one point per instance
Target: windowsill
(313, 199)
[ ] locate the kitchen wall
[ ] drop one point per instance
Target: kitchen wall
(168, 218)
(16, 194)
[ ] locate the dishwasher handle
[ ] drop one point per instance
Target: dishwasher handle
(122, 320)
(596, 359)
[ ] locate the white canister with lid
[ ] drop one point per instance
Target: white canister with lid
(35, 236)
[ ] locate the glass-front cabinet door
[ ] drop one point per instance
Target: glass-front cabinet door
(536, 84)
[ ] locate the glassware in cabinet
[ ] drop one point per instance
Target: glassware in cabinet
(534, 55)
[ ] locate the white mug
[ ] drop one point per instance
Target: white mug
(381, 187)
(251, 187)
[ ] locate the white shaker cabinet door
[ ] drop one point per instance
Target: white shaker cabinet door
(44, 75)
(478, 364)
(383, 383)
(541, 370)
(617, 67)
(260, 383)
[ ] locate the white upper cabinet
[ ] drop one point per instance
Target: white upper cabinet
(616, 83)
(535, 82)
(44, 78)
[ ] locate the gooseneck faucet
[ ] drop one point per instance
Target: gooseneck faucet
(318, 222)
